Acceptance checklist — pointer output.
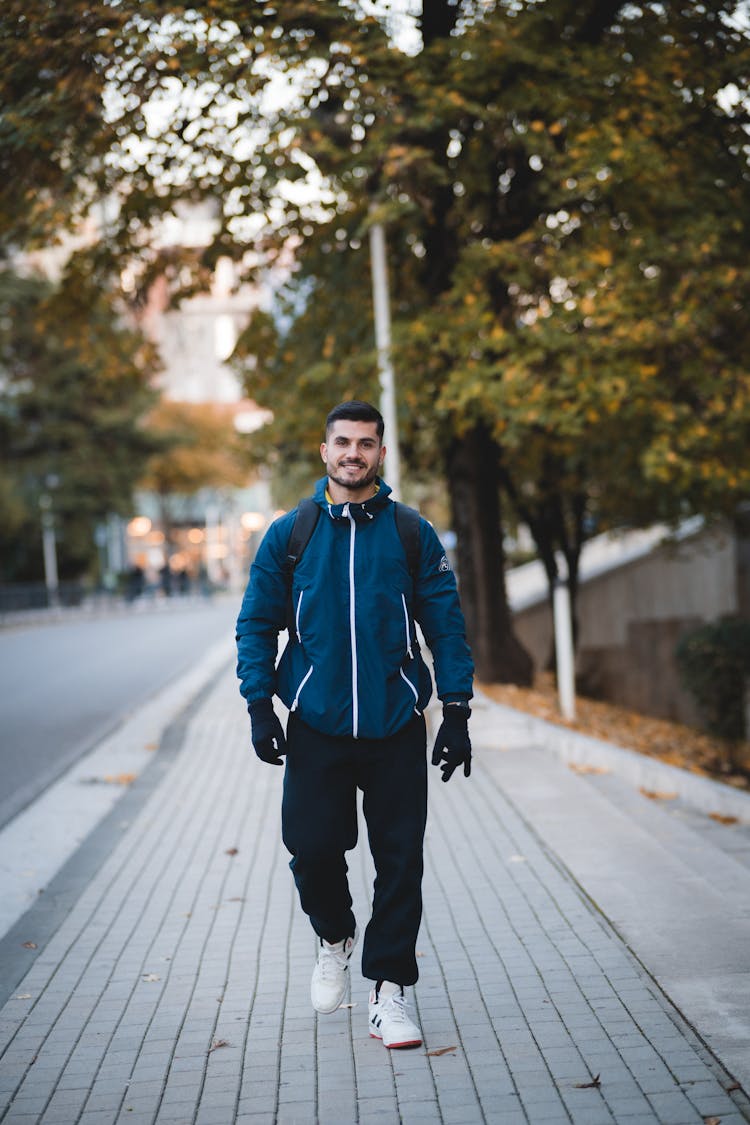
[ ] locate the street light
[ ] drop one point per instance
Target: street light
(49, 548)
(383, 344)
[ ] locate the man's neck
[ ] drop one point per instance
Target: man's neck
(340, 495)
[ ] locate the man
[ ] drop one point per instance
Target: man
(356, 688)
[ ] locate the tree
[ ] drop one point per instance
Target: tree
(74, 386)
(198, 448)
(567, 205)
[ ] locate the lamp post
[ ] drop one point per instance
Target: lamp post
(49, 548)
(565, 657)
(383, 344)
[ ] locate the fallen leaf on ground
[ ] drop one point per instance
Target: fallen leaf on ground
(111, 779)
(670, 742)
(418, 954)
(150, 977)
(30, 945)
(711, 1121)
(218, 1043)
(594, 1084)
(442, 1050)
(733, 1087)
(656, 795)
(232, 851)
(581, 767)
(151, 746)
(236, 898)
(722, 818)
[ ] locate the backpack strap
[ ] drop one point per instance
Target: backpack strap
(407, 525)
(302, 529)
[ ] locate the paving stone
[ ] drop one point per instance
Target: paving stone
(519, 973)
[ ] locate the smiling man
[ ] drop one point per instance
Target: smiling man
(351, 590)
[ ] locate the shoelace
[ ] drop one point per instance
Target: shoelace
(331, 962)
(397, 1003)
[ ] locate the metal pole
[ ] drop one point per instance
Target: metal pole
(383, 343)
(49, 548)
(564, 648)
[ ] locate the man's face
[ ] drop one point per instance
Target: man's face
(352, 454)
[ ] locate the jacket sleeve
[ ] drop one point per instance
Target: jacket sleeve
(263, 615)
(438, 611)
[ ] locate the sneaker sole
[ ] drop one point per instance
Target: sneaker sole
(330, 1011)
(396, 1046)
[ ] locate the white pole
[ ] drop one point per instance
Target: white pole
(564, 647)
(383, 344)
(49, 549)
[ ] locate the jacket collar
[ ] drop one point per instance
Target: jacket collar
(361, 513)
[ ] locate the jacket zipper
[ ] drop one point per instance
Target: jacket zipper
(352, 624)
(409, 652)
(299, 689)
(296, 616)
(408, 628)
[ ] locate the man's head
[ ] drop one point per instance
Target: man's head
(355, 411)
(353, 450)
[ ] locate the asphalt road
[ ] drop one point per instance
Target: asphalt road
(64, 685)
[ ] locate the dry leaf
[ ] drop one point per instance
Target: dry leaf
(418, 954)
(733, 1087)
(582, 767)
(150, 977)
(655, 795)
(111, 779)
(712, 1120)
(236, 898)
(30, 945)
(442, 1050)
(232, 851)
(663, 739)
(722, 818)
(594, 1084)
(151, 746)
(218, 1043)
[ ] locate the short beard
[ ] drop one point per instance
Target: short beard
(354, 486)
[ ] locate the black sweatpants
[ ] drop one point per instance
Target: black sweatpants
(319, 824)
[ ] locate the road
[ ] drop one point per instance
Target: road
(66, 684)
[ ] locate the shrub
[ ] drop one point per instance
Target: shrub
(714, 662)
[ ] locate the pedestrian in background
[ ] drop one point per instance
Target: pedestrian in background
(356, 688)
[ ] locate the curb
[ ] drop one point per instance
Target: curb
(701, 793)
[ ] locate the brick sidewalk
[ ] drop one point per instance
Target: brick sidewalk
(177, 988)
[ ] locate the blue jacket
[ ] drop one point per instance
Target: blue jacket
(352, 664)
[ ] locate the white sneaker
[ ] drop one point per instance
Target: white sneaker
(388, 1018)
(331, 974)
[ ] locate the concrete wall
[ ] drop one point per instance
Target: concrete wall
(631, 617)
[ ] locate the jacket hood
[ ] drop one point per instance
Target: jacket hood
(359, 512)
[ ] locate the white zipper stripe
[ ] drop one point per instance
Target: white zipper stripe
(299, 689)
(296, 616)
(352, 625)
(406, 680)
(408, 630)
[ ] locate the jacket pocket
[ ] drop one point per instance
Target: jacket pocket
(303, 681)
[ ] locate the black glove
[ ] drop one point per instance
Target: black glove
(268, 734)
(452, 745)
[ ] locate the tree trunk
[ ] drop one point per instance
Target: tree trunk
(472, 474)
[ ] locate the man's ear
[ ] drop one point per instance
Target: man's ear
(383, 451)
(324, 452)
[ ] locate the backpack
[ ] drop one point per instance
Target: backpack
(407, 525)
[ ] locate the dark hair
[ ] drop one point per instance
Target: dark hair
(355, 411)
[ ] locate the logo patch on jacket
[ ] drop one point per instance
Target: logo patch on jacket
(444, 564)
